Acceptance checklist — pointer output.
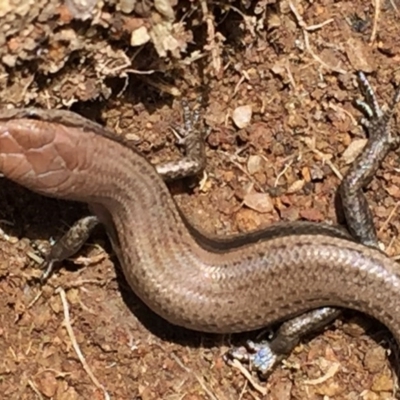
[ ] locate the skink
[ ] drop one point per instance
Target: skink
(191, 280)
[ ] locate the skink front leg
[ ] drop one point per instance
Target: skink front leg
(191, 136)
(263, 357)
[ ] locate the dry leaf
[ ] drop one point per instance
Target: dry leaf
(140, 36)
(354, 149)
(296, 186)
(255, 164)
(260, 202)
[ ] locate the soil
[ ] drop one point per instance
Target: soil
(128, 65)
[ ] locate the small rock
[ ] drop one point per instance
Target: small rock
(316, 173)
(353, 150)
(375, 359)
(312, 215)
(394, 191)
(242, 116)
(359, 55)
(296, 186)
(140, 36)
(255, 164)
(382, 383)
(260, 202)
(47, 384)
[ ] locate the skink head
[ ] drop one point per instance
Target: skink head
(39, 155)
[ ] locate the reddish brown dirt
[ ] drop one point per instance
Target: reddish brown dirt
(302, 122)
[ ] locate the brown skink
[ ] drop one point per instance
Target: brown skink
(188, 279)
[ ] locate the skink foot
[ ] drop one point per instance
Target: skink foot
(264, 356)
(258, 356)
(192, 138)
(69, 244)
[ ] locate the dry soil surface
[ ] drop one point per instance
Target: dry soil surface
(293, 65)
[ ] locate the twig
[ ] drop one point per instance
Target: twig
(341, 109)
(198, 378)
(211, 37)
(236, 364)
(67, 323)
(290, 76)
(394, 6)
(311, 145)
(377, 4)
(305, 30)
(332, 371)
(241, 168)
(36, 298)
(384, 225)
(285, 168)
(35, 389)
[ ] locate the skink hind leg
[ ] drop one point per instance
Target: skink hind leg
(381, 140)
(190, 137)
(263, 357)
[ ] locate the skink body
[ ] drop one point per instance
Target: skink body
(187, 278)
